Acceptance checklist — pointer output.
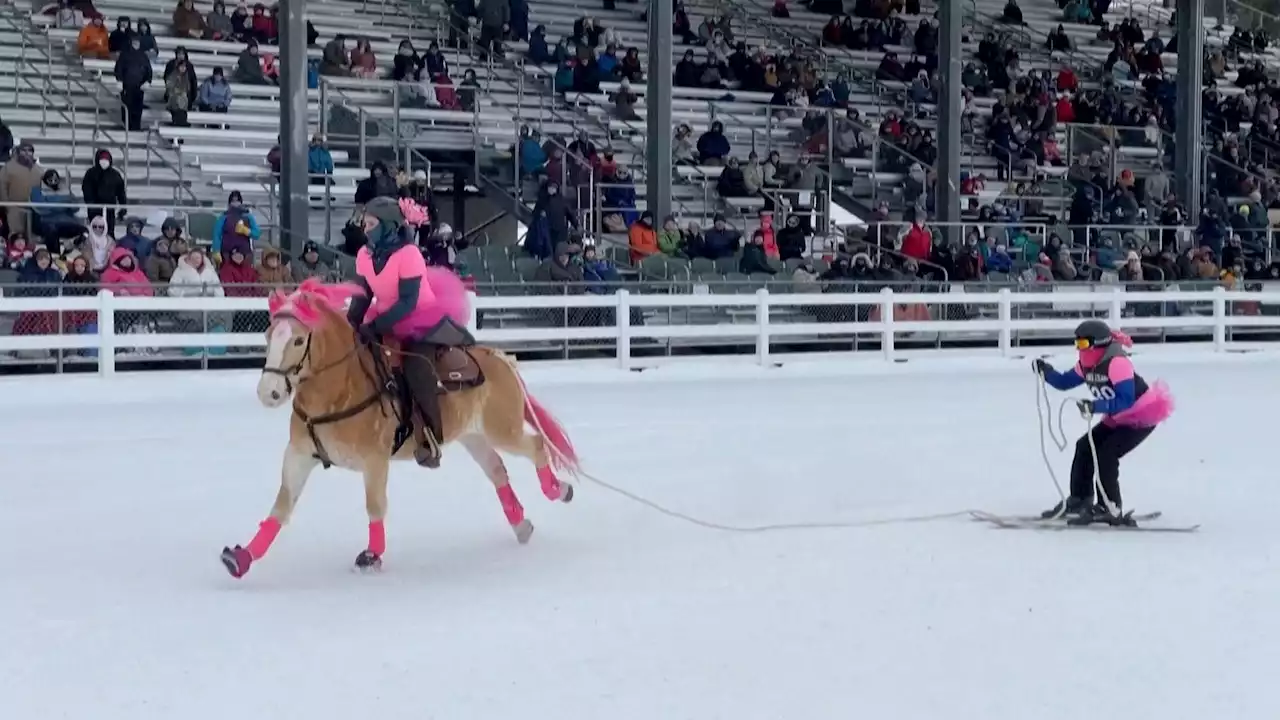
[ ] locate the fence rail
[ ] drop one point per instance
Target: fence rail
(638, 329)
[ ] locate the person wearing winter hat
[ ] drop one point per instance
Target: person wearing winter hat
(403, 298)
(309, 264)
(1131, 408)
(133, 240)
(234, 228)
(103, 189)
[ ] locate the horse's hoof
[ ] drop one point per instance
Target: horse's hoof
(236, 560)
(368, 560)
(566, 493)
(523, 530)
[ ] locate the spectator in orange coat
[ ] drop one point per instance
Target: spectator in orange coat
(94, 41)
(643, 237)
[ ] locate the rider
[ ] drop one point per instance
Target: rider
(401, 299)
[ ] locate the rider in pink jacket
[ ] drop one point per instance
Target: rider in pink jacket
(425, 308)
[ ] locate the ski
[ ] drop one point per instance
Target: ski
(1036, 519)
(1036, 523)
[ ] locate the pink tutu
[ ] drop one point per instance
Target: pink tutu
(1154, 407)
(451, 301)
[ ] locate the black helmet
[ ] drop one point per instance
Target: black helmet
(385, 209)
(1092, 333)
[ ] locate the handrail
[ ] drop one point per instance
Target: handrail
(23, 25)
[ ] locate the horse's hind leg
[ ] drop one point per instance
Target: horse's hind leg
(294, 471)
(491, 462)
(534, 447)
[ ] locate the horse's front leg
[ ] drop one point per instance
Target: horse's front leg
(375, 504)
(294, 471)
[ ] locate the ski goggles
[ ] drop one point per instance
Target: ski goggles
(1085, 343)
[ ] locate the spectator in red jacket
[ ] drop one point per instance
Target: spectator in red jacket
(917, 241)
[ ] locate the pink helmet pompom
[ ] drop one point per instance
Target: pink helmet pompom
(414, 215)
(1122, 338)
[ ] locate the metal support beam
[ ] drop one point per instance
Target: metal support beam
(950, 102)
(294, 200)
(658, 105)
(460, 200)
(1188, 130)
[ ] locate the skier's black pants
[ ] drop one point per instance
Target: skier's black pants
(1113, 442)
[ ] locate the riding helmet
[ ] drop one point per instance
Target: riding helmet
(1091, 334)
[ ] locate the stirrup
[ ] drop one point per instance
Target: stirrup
(428, 453)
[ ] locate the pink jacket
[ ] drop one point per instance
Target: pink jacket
(442, 294)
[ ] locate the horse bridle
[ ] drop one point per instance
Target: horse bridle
(293, 372)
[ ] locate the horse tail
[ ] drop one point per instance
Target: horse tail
(559, 446)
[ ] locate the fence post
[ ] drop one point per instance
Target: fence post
(623, 323)
(886, 317)
(762, 327)
(1219, 319)
(1005, 304)
(1115, 314)
(473, 315)
(106, 333)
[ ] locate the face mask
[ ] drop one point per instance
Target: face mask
(54, 184)
(104, 164)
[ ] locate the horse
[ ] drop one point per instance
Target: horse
(350, 411)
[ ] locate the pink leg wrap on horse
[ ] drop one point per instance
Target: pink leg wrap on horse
(511, 506)
(261, 542)
(377, 537)
(550, 483)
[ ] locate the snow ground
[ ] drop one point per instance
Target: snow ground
(119, 494)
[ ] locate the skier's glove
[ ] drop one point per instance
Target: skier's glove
(1085, 406)
(1041, 367)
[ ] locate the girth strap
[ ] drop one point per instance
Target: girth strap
(321, 454)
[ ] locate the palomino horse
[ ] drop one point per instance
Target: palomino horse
(346, 413)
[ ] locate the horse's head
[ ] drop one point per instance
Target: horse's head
(296, 321)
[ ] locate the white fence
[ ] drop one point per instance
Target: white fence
(762, 318)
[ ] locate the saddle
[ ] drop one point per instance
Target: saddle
(456, 369)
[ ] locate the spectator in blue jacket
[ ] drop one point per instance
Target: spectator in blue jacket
(713, 146)
(597, 271)
(539, 52)
(721, 240)
(214, 94)
(999, 260)
(319, 160)
(134, 241)
(54, 212)
(533, 158)
(40, 270)
(234, 228)
(620, 194)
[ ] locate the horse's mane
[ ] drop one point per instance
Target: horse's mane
(313, 301)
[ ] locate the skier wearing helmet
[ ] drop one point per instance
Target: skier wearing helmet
(425, 308)
(1132, 410)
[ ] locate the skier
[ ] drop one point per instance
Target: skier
(1132, 408)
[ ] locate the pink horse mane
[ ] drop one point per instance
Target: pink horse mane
(312, 297)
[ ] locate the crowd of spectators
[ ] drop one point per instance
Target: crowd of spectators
(1134, 96)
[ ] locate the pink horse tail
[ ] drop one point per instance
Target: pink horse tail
(559, 447)
(1122, 338)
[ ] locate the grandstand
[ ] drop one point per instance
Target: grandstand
(830, 137)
